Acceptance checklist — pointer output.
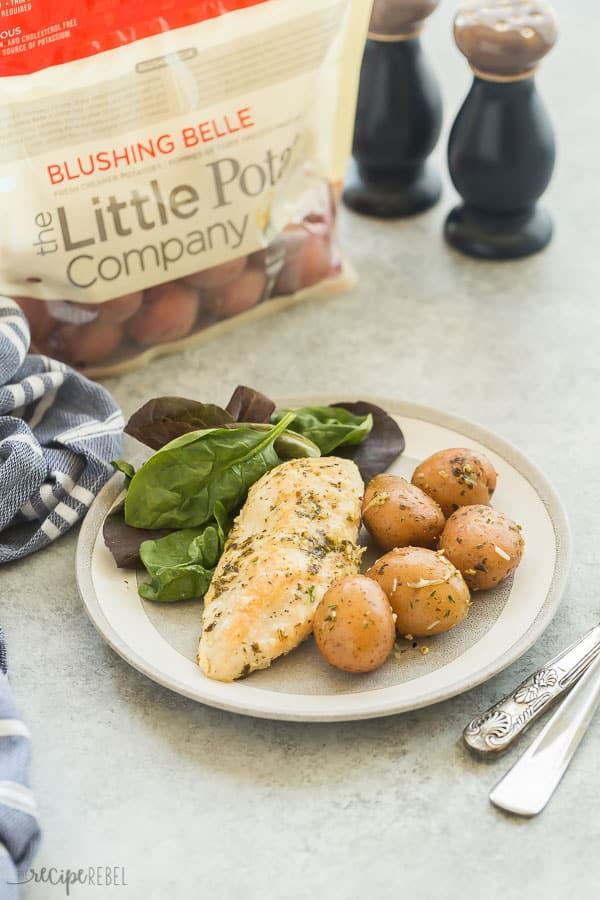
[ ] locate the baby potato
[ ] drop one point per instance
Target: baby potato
(307, 260)
(398, 514)
(167, 314)
(456, 477)
(354, 625)
(112, 312)
(427, 593)
(85, 345)
(316, 260)
(484, 544)
(121, 308)
(237, 296)
(270, 259)
(217, 276)
(258, 259)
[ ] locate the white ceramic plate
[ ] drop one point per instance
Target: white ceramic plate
(161, 639)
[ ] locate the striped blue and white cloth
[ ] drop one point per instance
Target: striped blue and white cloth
(19, 828)
(58, 434)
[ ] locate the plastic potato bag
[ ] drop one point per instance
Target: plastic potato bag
(166, 166)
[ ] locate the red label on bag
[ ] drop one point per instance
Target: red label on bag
(35, 34)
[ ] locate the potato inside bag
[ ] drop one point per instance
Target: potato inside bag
(167, 166)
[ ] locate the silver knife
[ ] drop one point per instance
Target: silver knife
(529, 784)
(501, 724)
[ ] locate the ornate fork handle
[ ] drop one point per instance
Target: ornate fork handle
(502, 723)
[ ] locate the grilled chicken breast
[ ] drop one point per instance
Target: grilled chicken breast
(296, 535)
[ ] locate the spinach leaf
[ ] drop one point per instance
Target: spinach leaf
(289, 444)
(164, 418)
(328, 426)
(180, 484)
(126, 468)
(181, 565)
(123, 541)
(177, 573)
(383, 445)
(248, 405)
(207, 547)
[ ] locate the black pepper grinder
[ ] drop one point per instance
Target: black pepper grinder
(501, 149)
(398, 116)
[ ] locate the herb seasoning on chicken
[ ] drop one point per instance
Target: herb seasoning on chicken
(296, 534)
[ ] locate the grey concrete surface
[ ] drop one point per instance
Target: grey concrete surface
(197, 803)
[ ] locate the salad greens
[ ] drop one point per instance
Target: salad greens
(174, 574)
(126, 468)
(328, 426)
(123, 541)
(248, 405)
(180, 484)
(383, 445)
(181, 564)
(161, 420)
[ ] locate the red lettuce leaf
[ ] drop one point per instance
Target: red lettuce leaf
(380, 448)
(124, 541)
(164, 418)
(248, 405)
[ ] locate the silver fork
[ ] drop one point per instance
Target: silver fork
(529, 784)
(501, 724)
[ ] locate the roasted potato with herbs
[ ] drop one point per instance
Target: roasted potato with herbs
(426, 591)
(456, 477)
(354, 625)
(398, 514)
(486, 545)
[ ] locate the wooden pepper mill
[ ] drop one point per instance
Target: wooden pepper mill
(398, 116)
(501, 148)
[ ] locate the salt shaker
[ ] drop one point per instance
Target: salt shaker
(501, 149)
(398, 116)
